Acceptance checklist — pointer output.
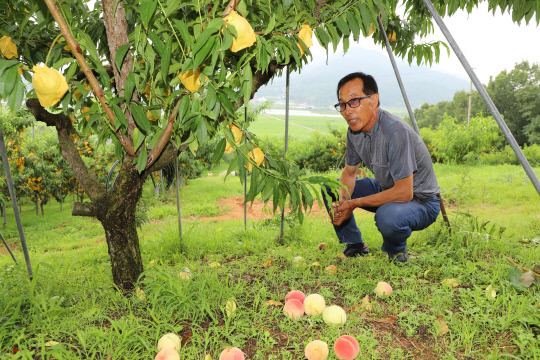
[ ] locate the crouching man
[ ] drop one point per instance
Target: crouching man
(403, 194)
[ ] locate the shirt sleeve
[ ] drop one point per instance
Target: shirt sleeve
(351, 156)
(401, 158)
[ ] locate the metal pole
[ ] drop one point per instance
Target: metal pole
(9, 181)
(178, 198)
(470, 107)
(7, 247)
(483, 93)
(245, 176)
(287, 80)
(398, 76)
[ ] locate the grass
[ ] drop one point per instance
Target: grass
(71, 310)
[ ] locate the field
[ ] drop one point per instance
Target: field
(71, 310)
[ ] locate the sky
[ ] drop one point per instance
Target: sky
(491, 43)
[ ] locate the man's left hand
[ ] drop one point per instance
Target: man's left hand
(342, 212)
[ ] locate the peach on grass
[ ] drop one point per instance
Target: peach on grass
(169, 340)
(314, 304)
(334, 314)
(168, 354)
(233, 353)
(316, 350)
(295, 294)
(346, 347)
(383, 289)
(293, 309)
(332, 269)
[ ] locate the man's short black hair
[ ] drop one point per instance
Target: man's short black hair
(370, 85)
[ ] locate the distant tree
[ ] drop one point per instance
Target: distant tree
(517, 97)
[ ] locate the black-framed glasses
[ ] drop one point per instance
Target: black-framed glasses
(353, 103)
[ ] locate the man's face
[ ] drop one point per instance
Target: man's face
(364, 116)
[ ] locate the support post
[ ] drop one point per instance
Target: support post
(178, 198)
(13, 196)
(245, 176)
(485, 96)
(287, 87)
(398, 77)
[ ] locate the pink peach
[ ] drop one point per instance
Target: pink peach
(383, 289)
(233, 353)
(295, 294)
(168, 354)
(346, 347)
(294, 309)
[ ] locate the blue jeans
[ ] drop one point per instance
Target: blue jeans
(395, 221)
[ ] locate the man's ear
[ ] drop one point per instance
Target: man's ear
(376, 98)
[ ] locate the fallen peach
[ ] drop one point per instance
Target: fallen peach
(332, 269)
(169, 340)
(295, 294)
(383, 289)
(317, 350)
(334, 315)
(168, 354)
(233, 353)
(293, 309)
(346, 347)
(314, 304)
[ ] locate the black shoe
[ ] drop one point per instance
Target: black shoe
(399, 257)
(352, 250)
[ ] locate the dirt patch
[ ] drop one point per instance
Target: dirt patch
(232, 208)
(13, 246)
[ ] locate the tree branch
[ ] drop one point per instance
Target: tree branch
(117, 35)
(230, 7)
(165, 136)
(88, 179)
(75, 48)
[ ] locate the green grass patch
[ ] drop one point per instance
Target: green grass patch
(70, 309)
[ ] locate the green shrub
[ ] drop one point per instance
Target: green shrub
(507, 156)
(457, 143)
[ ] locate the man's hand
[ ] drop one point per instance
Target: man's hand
(342, 211)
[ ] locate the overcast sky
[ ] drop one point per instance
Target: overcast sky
(491, 43)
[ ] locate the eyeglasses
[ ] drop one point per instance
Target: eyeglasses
(353, 103)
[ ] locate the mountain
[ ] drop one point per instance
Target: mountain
(316, 84)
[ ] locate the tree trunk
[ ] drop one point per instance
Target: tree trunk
(117, 216)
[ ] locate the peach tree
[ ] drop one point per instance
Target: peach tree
(160, 77)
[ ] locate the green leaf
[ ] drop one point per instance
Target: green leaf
(147, 9)
(322, 36)
(166, 59)
(17, 95)
(138, 138)
(129, 87)
(63, 62)
(226, 103)
(219, 151)
(10, 77)
(202, 54)
(365, 15)
(140, 118)
(120, 55)
(248, 83)
(184, 32)
(271, 25)
(342, 26)
(141, 160)
(353, 25)
(157, 43)
(4, 64)
(183, 107)
(119, 115)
